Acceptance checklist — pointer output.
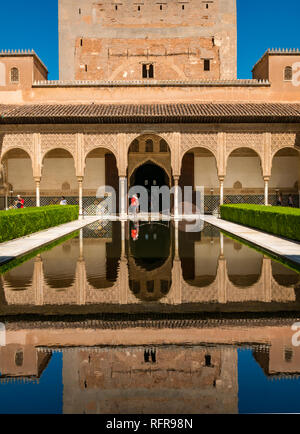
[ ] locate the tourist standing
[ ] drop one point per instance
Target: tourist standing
(20, 202)
(135, 204)
(279, 200)
(63, 201)
(290, 201)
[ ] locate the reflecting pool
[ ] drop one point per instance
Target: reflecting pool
(144, 317)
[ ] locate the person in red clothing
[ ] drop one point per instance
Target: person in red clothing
(135, 232)
(135, 204)
(20, 202)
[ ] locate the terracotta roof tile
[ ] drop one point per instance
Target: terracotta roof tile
(153, 113)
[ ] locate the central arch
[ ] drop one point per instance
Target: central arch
(150, 175)
(149, 164)
(148, 148)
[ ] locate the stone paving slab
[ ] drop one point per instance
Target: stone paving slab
(20, 246)
(280, 246)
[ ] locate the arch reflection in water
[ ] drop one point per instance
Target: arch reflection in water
(102, 253)
(59, 265)
(150, 259)
(21, 277)
(124, 266)
(244, 265)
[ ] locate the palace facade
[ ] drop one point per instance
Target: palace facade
(148, 95)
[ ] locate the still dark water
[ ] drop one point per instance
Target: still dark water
(149, 318)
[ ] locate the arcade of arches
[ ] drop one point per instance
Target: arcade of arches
(232, 164)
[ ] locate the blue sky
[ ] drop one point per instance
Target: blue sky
(262, 24)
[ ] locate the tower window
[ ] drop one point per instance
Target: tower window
(139, 8)
(148, 70)
(207, 360)
(85, 68)
(206, 64)
(14, 75)
(288, 73)
(79, 11)
(116, 7)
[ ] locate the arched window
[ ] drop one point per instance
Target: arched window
(134, 147)
(149, 145)
(163, 146)
(288, 73)
(14, 75)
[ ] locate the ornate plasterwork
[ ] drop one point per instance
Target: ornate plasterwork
(207, 141)
(245, 139)
(107, 141)
(18, 141)
(58, 141)
(284, 140)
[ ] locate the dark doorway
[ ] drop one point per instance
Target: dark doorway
(149, 175)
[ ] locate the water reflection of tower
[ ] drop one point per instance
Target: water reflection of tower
(177, 380)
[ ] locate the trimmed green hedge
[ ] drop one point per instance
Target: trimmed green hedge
(276, 220)
(17, 223)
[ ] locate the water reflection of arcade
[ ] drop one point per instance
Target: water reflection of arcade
(210, 270)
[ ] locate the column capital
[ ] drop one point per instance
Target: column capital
(80, 178)
(221, 178)
(267, 178)
(37, 179)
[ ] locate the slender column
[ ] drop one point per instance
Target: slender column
(80, 180)
(37, 191)
(221, 180)
(266, 179)
(176, 197)
(6, 201)
(122, 183)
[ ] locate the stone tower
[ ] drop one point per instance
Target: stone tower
(147, 39)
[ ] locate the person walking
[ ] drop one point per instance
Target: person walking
(135, 204)
(279, 200)
(290, 201)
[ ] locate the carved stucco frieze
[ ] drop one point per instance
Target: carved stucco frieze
(58, 141)
(284, 140)
(17, 141)
(107, 141)
(207, 141)
(247, 139)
